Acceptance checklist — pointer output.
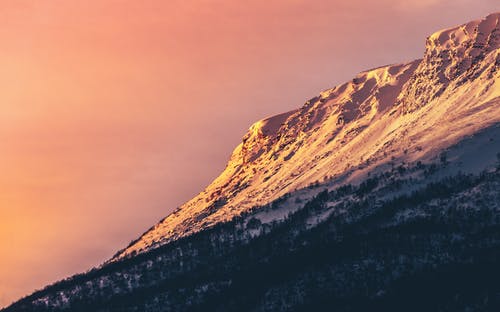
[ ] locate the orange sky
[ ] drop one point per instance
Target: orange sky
(113, 113)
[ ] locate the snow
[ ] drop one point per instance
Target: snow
(269, 126)
(322, 216)
(453, 38)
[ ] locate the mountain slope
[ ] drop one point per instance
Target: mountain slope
(380, 194)
(409, 111)
(406, 239)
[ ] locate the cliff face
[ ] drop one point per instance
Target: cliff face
(406, 111)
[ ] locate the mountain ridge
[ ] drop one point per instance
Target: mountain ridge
(347, 114)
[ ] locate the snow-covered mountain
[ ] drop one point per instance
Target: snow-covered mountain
(379, 194)
(409, 112)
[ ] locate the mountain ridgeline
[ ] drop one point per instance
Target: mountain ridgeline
(379, 194)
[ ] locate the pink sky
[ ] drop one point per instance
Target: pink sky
(113, 113)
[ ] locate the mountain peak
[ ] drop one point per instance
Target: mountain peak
(454, 57)
(469, 39)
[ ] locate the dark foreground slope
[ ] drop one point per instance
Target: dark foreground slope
(434, 247)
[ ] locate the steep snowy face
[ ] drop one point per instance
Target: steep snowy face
(407, 111)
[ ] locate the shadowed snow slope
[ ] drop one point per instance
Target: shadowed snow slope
(410, 111)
